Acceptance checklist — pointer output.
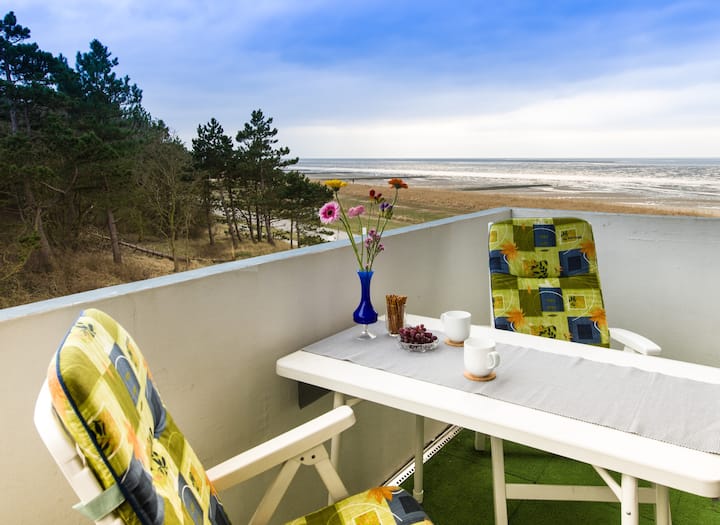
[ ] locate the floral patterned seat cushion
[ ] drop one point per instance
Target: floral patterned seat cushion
(544, 279)
(378, 506)
(103, 392)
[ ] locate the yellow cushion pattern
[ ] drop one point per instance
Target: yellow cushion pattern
(544, 279)
(378, 506)
(103, 392)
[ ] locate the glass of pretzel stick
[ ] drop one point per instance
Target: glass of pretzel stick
(395, 315)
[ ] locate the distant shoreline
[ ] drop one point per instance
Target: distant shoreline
(458, 200)
(503, 187)
(688, 186)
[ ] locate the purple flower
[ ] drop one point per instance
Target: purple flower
(355, 211)
(385, 206)
(329, 213)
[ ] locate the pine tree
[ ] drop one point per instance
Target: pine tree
(213, 157)
(26, 91)
(110, 111)
(262, 168)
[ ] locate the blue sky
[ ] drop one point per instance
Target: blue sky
(451, 78)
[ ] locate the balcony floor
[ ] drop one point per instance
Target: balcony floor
(458, 490)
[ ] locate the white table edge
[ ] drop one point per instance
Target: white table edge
(662, 463)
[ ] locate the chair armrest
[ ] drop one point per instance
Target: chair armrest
(634, 342)
(281, 448)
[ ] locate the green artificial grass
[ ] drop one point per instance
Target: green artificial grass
(458, 490)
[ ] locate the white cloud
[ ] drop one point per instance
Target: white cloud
(678, 121)
(197, 60)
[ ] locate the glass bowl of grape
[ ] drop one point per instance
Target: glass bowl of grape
(417, 339)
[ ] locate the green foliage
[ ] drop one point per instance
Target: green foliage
(79, 153)
(213, 157)
(261, 170)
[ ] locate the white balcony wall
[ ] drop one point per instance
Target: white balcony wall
(212, 337)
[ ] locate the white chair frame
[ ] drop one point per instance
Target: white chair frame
(302, 445)
(613, 492)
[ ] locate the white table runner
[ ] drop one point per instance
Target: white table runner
(658, 406)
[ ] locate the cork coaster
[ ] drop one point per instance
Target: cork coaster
(456, 344)
(471, 377)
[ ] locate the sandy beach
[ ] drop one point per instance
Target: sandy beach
(469, 200)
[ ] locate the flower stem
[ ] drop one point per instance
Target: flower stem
(348, 229)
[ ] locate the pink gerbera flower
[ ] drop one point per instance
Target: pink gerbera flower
(355, 211)
(330, 212)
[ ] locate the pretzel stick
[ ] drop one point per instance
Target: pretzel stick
(395, 312)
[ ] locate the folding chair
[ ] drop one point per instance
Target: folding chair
(544, 281)
(103, 421)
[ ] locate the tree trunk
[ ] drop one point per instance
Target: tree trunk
(258, 226)
(228, 218)
(233, 215)
(249, 222)
(172, 237)
(45, 250)
(114, 238)
(43, 258)
(173, 252)
(209, 211)
(13, 107)
(290, 231)
(297, 227)
(268, 230)
(211, 233)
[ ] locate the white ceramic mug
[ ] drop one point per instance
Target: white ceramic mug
(456, 325)
(479, 356)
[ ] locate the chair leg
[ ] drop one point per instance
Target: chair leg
(318, 457)
(338, 400)
(275, 492)
(498, 473)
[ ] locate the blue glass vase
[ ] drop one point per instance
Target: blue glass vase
(365, 314)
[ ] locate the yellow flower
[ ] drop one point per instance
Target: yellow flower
(516, 317)
(381, 493)
(335, 184)
(509, 250)
(597, 316)
(588, 249)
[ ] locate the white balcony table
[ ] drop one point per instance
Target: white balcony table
(635, 457)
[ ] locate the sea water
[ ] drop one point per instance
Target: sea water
(645, 179)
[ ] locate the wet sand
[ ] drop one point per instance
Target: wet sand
(466, 200)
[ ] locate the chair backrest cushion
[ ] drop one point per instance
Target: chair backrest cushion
(544, 279)
(103, 392)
